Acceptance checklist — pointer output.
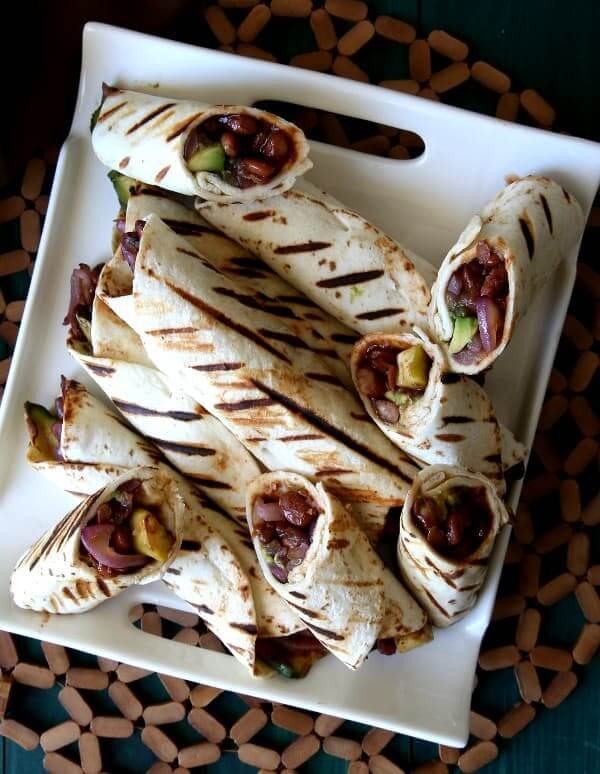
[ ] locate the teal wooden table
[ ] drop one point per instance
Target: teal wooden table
(544, 44)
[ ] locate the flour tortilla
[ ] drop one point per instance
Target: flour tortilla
(534, 224)
(51, 576)
(248, 370)
(446, 588)
(144, 136)
(333, 255)
(338, 589)
(452, 423)
(258, 285)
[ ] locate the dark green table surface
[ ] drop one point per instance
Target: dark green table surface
(544, 44)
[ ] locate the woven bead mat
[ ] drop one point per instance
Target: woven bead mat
(546, 622)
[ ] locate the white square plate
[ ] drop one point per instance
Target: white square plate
(423, 203)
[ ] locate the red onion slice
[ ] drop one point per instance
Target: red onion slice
(488, 317)
(96, 539)
(267, 511)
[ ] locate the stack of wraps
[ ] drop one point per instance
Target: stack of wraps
(532, 224)
(263, 382)
(452, 422)
(333, 255)
(53, 576)
(340, 590)
(446, 588)
(215, 569)
(145, 136)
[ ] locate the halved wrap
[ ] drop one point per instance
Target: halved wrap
(500, 262)
(316, 557)
(432, 414)
(262, 382)
(333, 255)
(258, 285)
(218, 152)
(448, 527)
(215, 567)
(73, 567)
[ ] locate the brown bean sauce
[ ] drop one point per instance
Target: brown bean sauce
(456, 527)
(255, 149)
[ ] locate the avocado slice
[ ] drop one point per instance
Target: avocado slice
(296, 665)
(149, 536)
(39, 426)
(398, 397)
(211, 158)
(123, 186)
(413, 368)
(464, 330)
(94, 117)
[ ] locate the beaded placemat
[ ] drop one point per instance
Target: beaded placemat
(546, 623)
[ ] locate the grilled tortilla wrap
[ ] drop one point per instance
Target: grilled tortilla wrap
(337, 587)
(334, 256)
(213, 546)
(258, 286)
(155, 139)
(432, 414)
(270, 390)
(511, 250)
(446, 577)
(57, 576)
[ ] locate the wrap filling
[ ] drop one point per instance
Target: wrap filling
(244, 150)
(284, 522)
(83, 289)
(476, 297)
(454, 523)
(393, 379)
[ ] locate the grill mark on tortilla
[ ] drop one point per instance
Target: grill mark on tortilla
(332, 472)
(124, 162)
(360, 417)
(224, 320)
(191, 253)
(285, 338)
(211, 367)
(190, 545)
(566, 195)
(249, 261)
(437, 604)
(356, 278)
(457, 420)
(378, 314)
(83, 588)
(182, 448)
(527, 234)
(450, 378)
(247, 273)
(242, 405)
(450, 437)
(249, 628)
(110, 112)
(174, 571)
(161, 173)
(100, 370)
(301, 437)
(301, 247)
(306, 611)
(300, 300)
(327, 634)
(156, 112)
(338, 544)
(204, 609)
(547, 211)
(209, 483)
(183, 126)
(315, 333)
(471, 588)
(69, 594)
(328, 378)
(185, 228)
(103, 587)
(133, 408)
(493, 458)
(254, 303)
(168, 331)
(344, 338)
(328, 429)
(446, 576)
(261, 215)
